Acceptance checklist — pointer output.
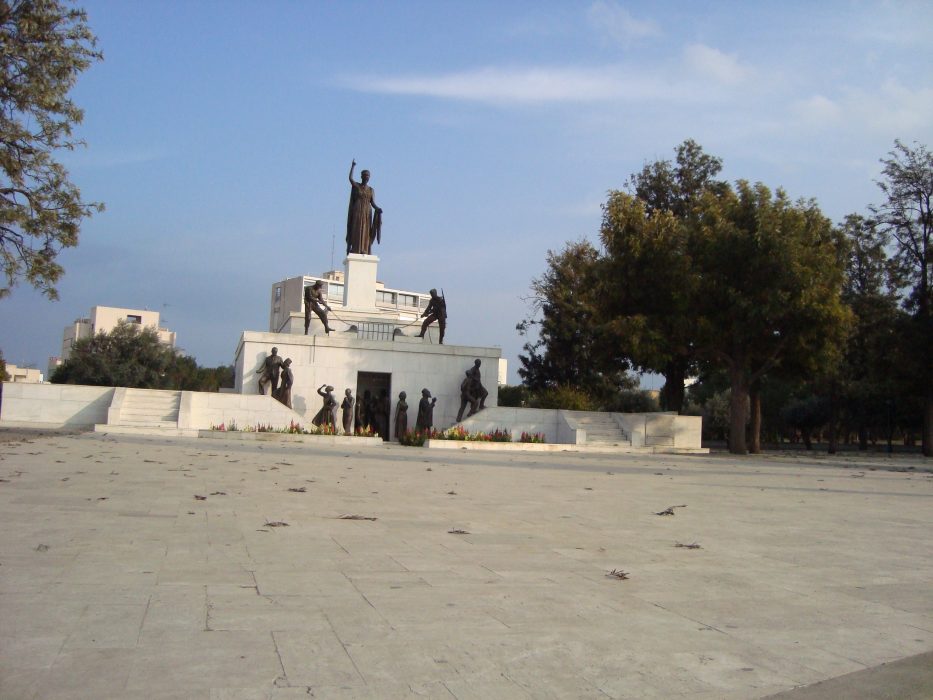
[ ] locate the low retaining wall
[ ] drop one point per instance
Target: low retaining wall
(54, 405)
(660, 431)
(202, 410)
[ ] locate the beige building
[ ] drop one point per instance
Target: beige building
(27, 375)
(106, 318)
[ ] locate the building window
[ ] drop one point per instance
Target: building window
(408, 300)
(278, 293)
(334, 291)
(130, 318)
(385, 297)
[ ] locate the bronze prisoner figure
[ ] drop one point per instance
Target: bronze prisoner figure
(363, 225)
(326, 415)
(314, 301)
(401, 415)
(269, 372)
(472, 391)
(347, 408)
(478, 389)
(284, 393)
(425, 419)
(467, 396)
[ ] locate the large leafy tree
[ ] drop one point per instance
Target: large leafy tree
(44, 46)
(646, 281)
(907, 216)
(133, 357)
(573, 347)
(768, 298)
(126, 356)
(646, 286)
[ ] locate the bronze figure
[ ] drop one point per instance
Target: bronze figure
(364, 218)
(435, 311)
(347, 407)
(314, 301)
(472, 391)
(326, 415)
(269, 372)
(425, 419)
(467, 396)
(401, 415)
(284, 392)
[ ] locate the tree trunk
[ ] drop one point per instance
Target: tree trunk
(738, 405)
(807, 440)
(672, 393)
(927, 442)
(832, 418)
(754, 397)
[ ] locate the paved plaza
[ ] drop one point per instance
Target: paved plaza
(199, 569)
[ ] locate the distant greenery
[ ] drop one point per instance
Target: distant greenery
(4, 375)
(571, 398)
(132, 357)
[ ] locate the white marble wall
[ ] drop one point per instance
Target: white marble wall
(54, 405)
(202, 410)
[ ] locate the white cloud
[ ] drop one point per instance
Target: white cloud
(618, 23)
(715, 65)
(889, 108)
(523, 85)
(892, 107)
(817, 110)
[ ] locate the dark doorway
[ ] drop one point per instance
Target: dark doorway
(373, 392)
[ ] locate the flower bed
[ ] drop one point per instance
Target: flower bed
(416, 438)
(292, 428)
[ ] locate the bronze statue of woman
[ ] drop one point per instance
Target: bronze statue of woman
(362, 226)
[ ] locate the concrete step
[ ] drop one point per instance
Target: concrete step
(127, 413)
(150, 402)
(150, 408)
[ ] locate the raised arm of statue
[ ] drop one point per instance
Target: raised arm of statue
(352, 166)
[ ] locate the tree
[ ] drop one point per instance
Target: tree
(44, 46)
(770, 276)
(647, 283)
(646, 289)
(127, 356)
(4, 375)
(907, 216)
(130, 357)
(869, 369)
(216, 378)
(573, 348)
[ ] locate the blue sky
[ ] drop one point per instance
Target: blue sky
(220, 135)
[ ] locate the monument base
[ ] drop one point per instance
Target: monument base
(346, 361)
(359, 290)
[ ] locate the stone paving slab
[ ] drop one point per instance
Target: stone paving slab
(135, 567)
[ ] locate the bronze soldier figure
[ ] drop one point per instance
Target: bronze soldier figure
(435, 311)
